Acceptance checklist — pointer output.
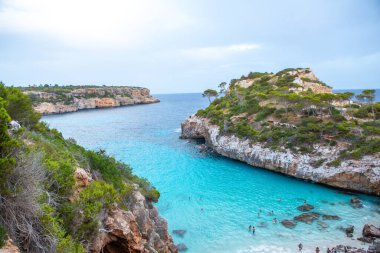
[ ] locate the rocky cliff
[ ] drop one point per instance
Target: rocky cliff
(359, 175)
(53, 100)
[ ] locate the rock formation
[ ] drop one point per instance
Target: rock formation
(72, 100)
(360, 175)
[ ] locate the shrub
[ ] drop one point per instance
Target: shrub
(335, 163)
(3, 236)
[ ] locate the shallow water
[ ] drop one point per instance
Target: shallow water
(213, 198)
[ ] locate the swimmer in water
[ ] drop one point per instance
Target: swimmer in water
(249, 228)
(253, 230)
(275, 221)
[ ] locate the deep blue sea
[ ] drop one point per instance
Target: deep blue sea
(213, 198)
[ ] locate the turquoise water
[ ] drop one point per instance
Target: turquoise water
(213, 198)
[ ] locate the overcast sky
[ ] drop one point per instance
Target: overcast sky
(173, 46)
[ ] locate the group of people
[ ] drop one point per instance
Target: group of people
(317, 250)
(252, 228)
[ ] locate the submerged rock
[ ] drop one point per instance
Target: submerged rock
(288, 223)
(356, 203)
(323, 224)
(305, 207)
(349, 230)
(307, 217)
(181, 247)
(330, 217)
(179, 232)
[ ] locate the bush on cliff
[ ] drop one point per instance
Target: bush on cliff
(37, 181)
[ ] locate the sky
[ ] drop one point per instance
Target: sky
(176, 46)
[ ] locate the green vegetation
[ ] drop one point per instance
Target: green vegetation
(3, 236)
(64, 94)
(209, 93)
(280, 113)
(38, 190)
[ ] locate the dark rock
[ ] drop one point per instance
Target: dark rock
(307, 217)
(323, 224)
(371, 231)
(179, 232)
(181, 247)
(288, 223)
(305, 207)
(356, 202)
(348, 230)
(330, 217)
(365, 239)
(348, 249)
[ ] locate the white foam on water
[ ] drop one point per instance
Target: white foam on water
(177, 130)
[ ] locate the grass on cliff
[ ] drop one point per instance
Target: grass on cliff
(41, 208)
(270, 112)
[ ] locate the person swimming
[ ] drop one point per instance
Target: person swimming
(258, 214)
(274, 220)
(249, 228)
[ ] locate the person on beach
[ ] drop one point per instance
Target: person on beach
(317, 250)
(300, 246)
(328, 250)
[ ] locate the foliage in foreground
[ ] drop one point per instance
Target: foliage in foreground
(37, 167)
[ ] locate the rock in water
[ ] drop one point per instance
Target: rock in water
(307, 217)
(371, 231)
(305, 208)
(179, 232)
(348, 230)
(323, 224)
(288, 223)
(330, 217)
(356, 202)
(181, 247)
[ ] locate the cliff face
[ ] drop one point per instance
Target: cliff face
(360, 175)
(71, 100)
(140, 229)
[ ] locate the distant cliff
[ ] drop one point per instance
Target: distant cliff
(61, 99)
(291, 122)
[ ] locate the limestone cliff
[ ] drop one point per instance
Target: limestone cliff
(360, 175)
(52, 100)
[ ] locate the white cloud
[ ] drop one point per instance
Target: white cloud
(93, 23)
(218, 52)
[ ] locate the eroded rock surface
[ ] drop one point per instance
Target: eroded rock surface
(360, 175)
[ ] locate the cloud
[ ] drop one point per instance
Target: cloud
(93, 23)
(218, 52)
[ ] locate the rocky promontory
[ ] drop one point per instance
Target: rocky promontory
(291, 122)
(360, 175)
(62, 99)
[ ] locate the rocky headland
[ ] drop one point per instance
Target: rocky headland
(56, 99)
(292, 123)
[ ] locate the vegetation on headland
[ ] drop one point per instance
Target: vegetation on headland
(278, 111)
(63, 94)
(41, 208)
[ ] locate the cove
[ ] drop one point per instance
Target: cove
(213, 198)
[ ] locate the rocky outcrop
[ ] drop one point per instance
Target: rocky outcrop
(140, 229)
(90, 98)
(9, 247)
(359, 175)
(371, 231)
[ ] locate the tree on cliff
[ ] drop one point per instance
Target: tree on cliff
(368, 96)
(209, 93)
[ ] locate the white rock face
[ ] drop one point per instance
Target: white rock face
(360, 175)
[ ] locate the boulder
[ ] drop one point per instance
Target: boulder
(330, 217)
(307, 217)
(179, 232)
(371, 231)
(305, 208)
(288, 223)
